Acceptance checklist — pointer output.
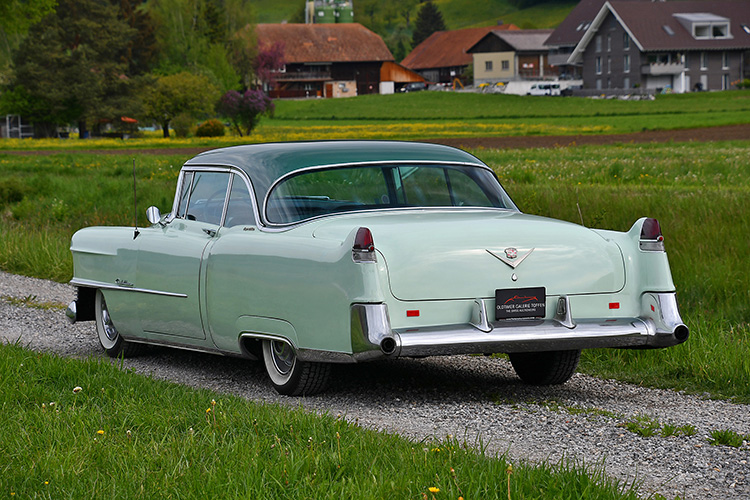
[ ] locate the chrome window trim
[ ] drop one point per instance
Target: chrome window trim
(268, 224)
(280, 228)
(230, 169)
(122, 287)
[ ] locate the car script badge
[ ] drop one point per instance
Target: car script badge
(511, 256)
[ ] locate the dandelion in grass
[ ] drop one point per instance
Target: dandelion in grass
(100, 432)
(433, 489)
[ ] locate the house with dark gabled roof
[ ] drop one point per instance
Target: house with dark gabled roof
(502, 56)
(331, 60)
(568, 33)
(443, 56)
(674, 46)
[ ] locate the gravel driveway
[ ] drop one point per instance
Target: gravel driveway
(474, 398)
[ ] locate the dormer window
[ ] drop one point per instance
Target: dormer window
(705, 26)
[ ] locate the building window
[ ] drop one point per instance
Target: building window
(725, 60)
(598, 84)
(488, 65)
(609, 43)
(598, 65)
(725, 81)
(704, 61)
(609, 64)
(686, 61)
(598, 43)
(626, 63)
(625, 41)
(505, 65)
(626, 83)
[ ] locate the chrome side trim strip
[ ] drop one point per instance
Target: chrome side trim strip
(122, 286)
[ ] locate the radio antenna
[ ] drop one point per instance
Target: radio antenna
(135, 205)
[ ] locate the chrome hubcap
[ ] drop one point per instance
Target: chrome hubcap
(109, 329)
(283, 357)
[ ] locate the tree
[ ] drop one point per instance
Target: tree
(142, 51)
(429, 20)
(196, 35)
(16, 16)
(245, 110)
(72, 66)
(270, 58)
(181, 93)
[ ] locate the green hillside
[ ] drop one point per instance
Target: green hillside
(457, 13)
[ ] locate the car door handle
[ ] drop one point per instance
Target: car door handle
(210, 232)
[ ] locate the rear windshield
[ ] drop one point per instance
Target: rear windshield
(327, 191)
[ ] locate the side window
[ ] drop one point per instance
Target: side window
(240, 206)
(207, 194)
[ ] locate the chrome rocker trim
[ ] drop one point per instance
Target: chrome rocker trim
(373, 338)
(123, 286)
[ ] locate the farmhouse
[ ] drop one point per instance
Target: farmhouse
(502, 56)
(677, 46)
(444, 56)
(331, 60)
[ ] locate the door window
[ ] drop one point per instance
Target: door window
(208, 191)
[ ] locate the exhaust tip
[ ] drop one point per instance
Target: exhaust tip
(388, 346)
(681, 333)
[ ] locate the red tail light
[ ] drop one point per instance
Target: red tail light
(363, 249)
(651, 238)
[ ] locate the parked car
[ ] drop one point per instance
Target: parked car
(307, 254)
(544, 89)
(414, 87)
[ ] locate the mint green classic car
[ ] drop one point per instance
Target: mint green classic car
(308, 254)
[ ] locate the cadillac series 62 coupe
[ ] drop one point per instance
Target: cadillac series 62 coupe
(308, 254)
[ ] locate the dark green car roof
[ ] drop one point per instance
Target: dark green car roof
(266, 163)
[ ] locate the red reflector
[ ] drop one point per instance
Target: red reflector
(412, 313)
(653, 309)
(614, 305)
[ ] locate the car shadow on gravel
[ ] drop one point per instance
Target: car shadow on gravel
(453, 378)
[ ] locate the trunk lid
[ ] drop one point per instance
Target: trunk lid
(465, 254)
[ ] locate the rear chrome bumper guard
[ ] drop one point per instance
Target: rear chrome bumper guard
(661, 326)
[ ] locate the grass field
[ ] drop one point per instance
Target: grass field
(429, 115)
(699, 192)
(85, 429)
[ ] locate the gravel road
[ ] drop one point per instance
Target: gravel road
(473, 398)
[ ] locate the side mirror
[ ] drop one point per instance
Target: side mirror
(153, 215)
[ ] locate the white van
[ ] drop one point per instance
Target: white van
(544, 89)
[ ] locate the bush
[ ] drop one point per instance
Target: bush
(181, 124)
(210, 128)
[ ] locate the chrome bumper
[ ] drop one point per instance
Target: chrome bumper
(372, 336)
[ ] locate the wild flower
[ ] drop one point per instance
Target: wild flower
(100, 432)
(77, 389)
(433, 489)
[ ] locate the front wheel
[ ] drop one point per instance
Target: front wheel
(109, 337)
(290, 376)
(545, 368)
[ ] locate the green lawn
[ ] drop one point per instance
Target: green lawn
(86, 429)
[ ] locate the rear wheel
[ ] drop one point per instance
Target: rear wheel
(109, 337)
(289, 375)
(545, 368)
